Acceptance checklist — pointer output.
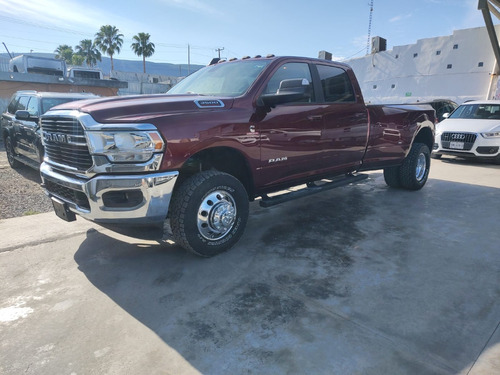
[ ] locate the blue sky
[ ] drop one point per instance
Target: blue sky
(241, 27)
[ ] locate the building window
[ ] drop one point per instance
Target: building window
(455, 46)
(374, 87)
(393, 86)
(415, 55)
(438, 53)
(397, 56)
(480, 64)
(449, 66)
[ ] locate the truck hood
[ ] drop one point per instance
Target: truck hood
(468, 125)
(144, 107)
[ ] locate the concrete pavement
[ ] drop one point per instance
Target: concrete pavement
(359, 280)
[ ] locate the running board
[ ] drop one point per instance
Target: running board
(311, 189)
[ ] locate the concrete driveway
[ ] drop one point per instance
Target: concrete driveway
(359, 280)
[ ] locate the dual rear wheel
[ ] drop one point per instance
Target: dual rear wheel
(414, 172)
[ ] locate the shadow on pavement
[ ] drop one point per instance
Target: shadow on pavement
(361, 279)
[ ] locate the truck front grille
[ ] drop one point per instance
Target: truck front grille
(65, 142)
(467, 139)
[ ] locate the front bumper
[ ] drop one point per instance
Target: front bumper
(113, 199)
(480, 148)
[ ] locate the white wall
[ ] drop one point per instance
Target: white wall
(427, 76)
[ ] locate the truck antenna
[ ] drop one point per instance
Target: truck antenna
(7, 50)
(369, 27)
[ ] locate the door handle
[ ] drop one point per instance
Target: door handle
(315, 117)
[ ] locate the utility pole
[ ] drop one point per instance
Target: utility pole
(218, 50)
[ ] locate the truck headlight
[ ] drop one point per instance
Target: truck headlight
(125, 146)
(491, 135)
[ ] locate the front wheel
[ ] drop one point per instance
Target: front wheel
(208, 213)
(9, 149)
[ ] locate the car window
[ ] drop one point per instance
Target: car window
(12, 105)
(336, 84)
(290, 71)
(22, 105)
(226, 79)
(48, 103)
(33, 106)
(477, 111)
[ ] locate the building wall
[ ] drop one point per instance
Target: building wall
(12, 82)
(447, 67)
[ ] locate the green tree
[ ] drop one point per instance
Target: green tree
(143, 47)
(88, 50)
(109, 41)
(77, 60)
(64, 52)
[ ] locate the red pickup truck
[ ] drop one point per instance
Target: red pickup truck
(189, 162)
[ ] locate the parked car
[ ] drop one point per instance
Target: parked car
(20, 124)
(442, 106)
(471, 131)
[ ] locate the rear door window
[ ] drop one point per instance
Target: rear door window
(336, 84)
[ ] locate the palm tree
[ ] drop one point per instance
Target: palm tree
(64, 52)
(109, 40)
(143, 47)
(88, 50)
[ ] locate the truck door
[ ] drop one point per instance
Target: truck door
(26, 129)
(290, 133)
(345, 120)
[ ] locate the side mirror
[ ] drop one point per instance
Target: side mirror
(446, 115)
(24, 115)
(290, 90)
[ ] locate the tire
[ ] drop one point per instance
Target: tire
(414, 171)
(208, 213)
(391, 177)
(9, 149)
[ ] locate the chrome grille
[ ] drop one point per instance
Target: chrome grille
(467, 138)
(65, 142)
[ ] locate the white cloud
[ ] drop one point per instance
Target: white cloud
(400, 17)
(69, 15)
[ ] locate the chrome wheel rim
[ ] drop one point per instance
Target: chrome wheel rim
(421, 167)
(216, 215)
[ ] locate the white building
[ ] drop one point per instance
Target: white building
(458, 67)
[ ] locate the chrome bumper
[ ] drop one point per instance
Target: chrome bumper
(156, 189)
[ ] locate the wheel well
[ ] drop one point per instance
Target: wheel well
(425, 136)
(223, 159)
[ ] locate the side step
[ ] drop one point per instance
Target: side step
(311, 189)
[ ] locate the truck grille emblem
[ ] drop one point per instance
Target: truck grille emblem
(56, 137)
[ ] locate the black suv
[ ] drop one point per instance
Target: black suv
(20, 124)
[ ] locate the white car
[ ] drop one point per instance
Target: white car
(471, 131)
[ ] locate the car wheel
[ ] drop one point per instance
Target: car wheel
(9, 149)
(208, 213)
(391, 177)
(415, 168)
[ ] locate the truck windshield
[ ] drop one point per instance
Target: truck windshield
(477, 111)
(226, 79)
